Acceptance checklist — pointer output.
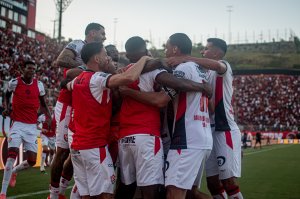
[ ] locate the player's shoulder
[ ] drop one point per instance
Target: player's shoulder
(73, 45)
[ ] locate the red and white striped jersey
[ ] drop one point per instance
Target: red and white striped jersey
(192, 126)
(223, 117)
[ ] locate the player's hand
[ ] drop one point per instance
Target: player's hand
(124, 90)
(6, 113)
(174, 61)
(207, 90)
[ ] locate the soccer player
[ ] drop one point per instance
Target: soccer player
(224, 163)
(61, 173)
(48, 139)
(91, 160)
(135, 134)
(28, 96)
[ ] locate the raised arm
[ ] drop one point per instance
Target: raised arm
(157, 99)
(129, 75)
(179, 84)
(66, 59)
(210, 64)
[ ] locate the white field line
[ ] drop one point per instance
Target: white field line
(32, 194)
(264, 150)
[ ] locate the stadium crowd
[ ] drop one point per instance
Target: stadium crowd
(16, 48)
(268, 102)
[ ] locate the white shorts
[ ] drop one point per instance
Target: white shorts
(225, 158)
(184, 167)
(23, 133)
(62, 116)
(93, 171)
(70, 137)
(48, 141)
(141, 160)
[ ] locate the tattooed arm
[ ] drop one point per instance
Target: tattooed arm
(66, 59)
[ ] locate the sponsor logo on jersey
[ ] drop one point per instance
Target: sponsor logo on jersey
(221, 160)
(130, 139)
(178, 74)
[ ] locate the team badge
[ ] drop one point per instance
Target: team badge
(113, 179)
(221, 160)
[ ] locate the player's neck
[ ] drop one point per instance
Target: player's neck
(26, 80)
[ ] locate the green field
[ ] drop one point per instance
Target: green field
(270, 173)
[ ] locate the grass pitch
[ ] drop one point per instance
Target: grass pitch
(272, 172)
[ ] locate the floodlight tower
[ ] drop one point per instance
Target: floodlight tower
(61, 6)
(229, 10)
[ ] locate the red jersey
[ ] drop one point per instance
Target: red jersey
(137, 117)
(92, 105)
(25, 102)
(65, 96)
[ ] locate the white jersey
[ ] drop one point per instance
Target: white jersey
(192, 126)
(75, 46)
(147, 80)
(223, 118)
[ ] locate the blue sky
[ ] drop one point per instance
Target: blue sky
(155, 20)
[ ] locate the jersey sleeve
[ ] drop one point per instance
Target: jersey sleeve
(41, 88)
(75, 46)
(183, 71)
(12, 84)
(41, 118)
(98, 85)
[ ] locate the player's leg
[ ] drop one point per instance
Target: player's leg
(214, 185)
(62, 116)
(174, 192)
(230, 165)
(148, 156)
(44, 152)
(66, 176)
(12, 155)
(195, 193)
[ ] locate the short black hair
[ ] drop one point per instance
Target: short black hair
(135, 44)
(110, 46)
(183, 42)
(29, 62)
(220, 43)
(93, 26)
(89, 50)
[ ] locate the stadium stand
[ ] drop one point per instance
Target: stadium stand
(266, 102)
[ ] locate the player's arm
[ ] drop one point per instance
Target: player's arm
(66, 59)
(210, 64)
(211, 106)
(70, 75)
(129, 75)
(157, 99)
(6, 104)
(180, 84)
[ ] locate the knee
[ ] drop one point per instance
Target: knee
(31, 162)
(230, 186)
(12, 153)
